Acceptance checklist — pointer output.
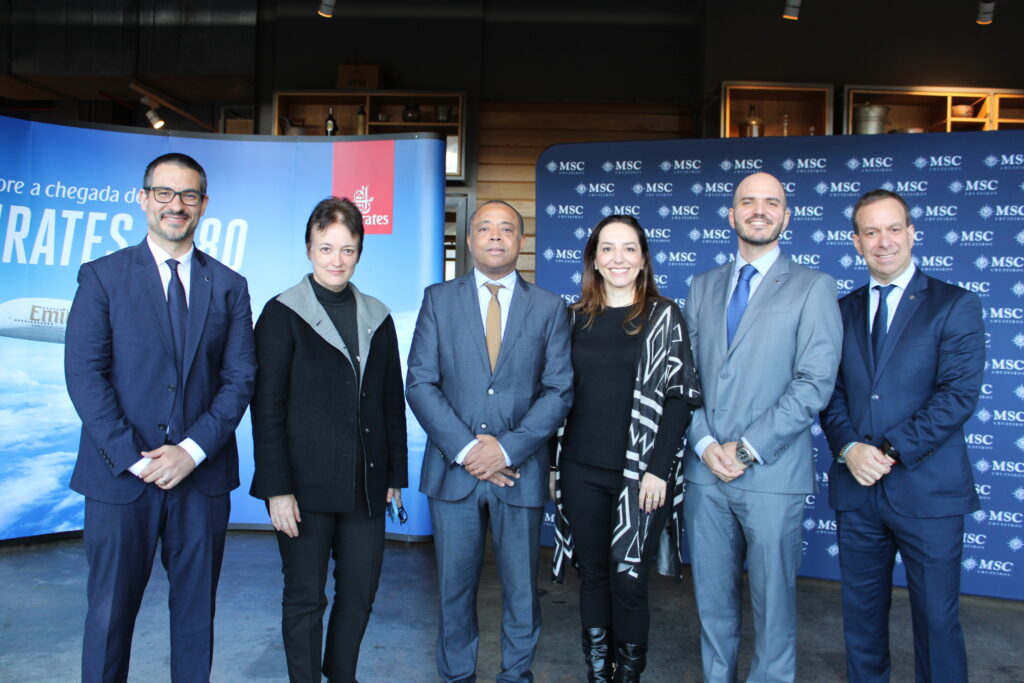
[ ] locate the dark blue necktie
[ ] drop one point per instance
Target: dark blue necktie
(738, 302)
(177, 308)
(881, 322)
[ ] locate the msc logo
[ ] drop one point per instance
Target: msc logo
(568, 254)
(940, 161)
(1005, 364)
(809, 499)
(941, 211)
(623, 166)
(596, 188)
(570, 298)
(986, 390)
(838, 236)
(573, 167)
(1009, 211)
(652, 188)
(1008, 417)
(564, 210)
(713, 189)
(975, 539)
(676, 257)
(983, 490)
(625, 210)
(658, 233)
(808, 211)
(806, 164)
(1002, 262)
(847, 261)
(680, 165)
(711, 235)
(1007, 466)
(1005, 517)
(980, 440)
(1004, 160)
(995, 566)
(935, 262)
(680, 211)
(976, 286)
(844, 285)
(870, 163)
(660, 279)
(806, 259)
(739, 165)
(906, 186)
(978, 186)
(844, 187)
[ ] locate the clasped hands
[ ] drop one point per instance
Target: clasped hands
(721, 460)
(486, 462)
(867, 463)
(168, 466)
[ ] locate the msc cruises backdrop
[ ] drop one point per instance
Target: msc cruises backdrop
(68, 195)
(966, 193)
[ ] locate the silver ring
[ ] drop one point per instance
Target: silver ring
(163, 481)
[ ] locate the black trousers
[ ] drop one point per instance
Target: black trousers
(608, 598)
(356, 542)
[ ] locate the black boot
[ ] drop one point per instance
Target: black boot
(630, 661)
(597, 652)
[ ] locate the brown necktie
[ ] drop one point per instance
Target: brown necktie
(493, 329)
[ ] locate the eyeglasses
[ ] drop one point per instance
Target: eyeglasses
(165, 195)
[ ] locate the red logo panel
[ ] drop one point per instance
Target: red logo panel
(364, 172)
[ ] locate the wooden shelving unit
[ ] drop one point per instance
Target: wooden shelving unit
(808, 106)
(932, 109)
(304, 112)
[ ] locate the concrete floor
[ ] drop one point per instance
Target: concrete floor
(42, 607)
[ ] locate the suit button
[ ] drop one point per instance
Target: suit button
(171, 387)
(867, 437)
(483, 425)
(875, 397)
(162, 428)
(366, 430)
(371, 465)
(490, 392)
(724, 375)
(364, 394)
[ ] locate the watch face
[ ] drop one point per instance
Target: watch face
(744, 456)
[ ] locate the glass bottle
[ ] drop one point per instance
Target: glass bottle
(330, 125)
(361, 121)
(753, 125)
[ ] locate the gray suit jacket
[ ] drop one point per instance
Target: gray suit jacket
(454, 396)
(770, 384)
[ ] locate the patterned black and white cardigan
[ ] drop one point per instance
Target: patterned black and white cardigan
(666, 368)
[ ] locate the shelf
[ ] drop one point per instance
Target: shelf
(808, 106)
(303, 113)
(932, 108)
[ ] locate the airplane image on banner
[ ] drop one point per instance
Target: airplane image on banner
(35, 319)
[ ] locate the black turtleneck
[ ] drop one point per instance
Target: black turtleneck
(341, 308)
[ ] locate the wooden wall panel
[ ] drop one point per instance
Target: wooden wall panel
(514, 134)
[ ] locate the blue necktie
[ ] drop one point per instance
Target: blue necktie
(738, 302)
(881, 322)
(177, 308)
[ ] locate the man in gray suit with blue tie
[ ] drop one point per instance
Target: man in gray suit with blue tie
(490, 380)
(766, 336)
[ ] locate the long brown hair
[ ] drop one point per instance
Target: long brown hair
(592, 303)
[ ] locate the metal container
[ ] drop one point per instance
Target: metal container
(870, 119)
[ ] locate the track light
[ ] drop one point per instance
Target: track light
(792, 10)
(154, 119)
(326, 8)
(985, 12)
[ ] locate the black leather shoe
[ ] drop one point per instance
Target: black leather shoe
(597, 652)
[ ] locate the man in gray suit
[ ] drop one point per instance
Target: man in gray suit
(490, 380)
(766, 336)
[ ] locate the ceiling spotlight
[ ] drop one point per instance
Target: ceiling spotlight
(792, 10)
(326, 8)
(154, 119)
(985, 12)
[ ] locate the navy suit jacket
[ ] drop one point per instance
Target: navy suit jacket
(121, 374)
(923, 390)
(454, 395)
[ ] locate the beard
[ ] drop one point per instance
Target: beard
(762, 238)
(182, 234)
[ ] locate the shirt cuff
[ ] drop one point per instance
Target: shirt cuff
(465, 451)
(137, 468)
(195, 450)
(750, 447)
(508, 461)
(702, 446)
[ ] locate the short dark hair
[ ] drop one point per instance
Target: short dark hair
(175, 159)
(519, 216)
(336, 210)
(877, 196)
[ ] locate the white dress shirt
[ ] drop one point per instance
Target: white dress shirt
(761, 266)
(893, 300)
(185, 273)
(508, 285)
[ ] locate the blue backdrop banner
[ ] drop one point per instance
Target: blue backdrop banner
(966, 193)
(69, 195)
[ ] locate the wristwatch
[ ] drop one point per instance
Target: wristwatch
(890, 450)
(744, 454)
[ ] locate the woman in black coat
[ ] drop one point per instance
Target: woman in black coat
(329, 438)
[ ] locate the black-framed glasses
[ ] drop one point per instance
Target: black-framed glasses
(165, 195)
